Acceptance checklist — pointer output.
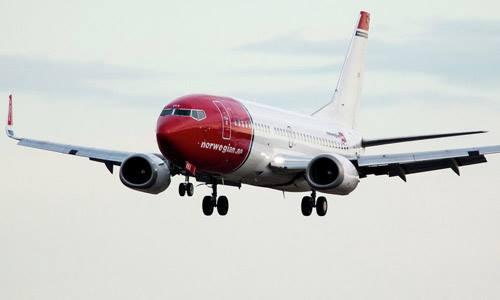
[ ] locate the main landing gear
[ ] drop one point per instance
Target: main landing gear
(310, 202)
(211, 202)
(186, 188)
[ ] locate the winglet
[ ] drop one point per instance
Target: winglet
(9, 129)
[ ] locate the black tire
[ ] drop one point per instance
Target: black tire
(222, 205)
(182, 189)
(321, 206)
(307, 206)
(189, 189)
(207, 205)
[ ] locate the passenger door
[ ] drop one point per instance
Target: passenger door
(289, 133)
(226, 120)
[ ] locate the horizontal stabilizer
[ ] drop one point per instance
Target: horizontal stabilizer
(378, 142)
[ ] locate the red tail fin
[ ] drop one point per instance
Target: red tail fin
(364, 20)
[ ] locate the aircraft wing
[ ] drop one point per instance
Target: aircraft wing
(100, 155)
(108, 157)
(417, 162)
(402, 139)
(400, 164)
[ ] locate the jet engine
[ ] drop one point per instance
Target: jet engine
(332, 174)
(146, 173)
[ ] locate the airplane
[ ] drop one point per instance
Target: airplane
(226, 141)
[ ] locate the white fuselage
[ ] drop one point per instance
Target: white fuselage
(282, 132)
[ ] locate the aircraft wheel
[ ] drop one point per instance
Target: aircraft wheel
(208, 205)
(307, 205)
(222, 205)
(189, 189)
(321, 206)
(182, 189)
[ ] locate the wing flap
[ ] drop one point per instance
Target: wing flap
(411, 163)
(400, 164)
(406, 158)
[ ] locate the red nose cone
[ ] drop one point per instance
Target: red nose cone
(172, 135)
(167, 129)
(217, 141)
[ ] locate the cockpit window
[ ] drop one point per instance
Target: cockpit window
(166, 112)
(196, 114)
(182, 112)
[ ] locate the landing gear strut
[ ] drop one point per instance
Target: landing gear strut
(211, 202)
(310, 202)
(186, 187)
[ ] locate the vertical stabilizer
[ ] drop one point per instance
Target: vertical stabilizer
(343, 108)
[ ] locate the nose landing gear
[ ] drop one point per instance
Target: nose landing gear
(310, 202)
(211, 202)
(186, 188)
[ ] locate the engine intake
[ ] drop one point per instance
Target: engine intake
(146, 173)
(332, 173)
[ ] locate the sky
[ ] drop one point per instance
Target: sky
(97, 74)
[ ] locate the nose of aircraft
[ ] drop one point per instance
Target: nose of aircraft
(199, 129)
(178, 137)
(165, 127)
(168, 132)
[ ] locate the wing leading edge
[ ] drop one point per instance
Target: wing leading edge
(109, 157)
(401, 164)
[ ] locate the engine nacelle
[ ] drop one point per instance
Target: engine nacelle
(332, 174)
(146, 173)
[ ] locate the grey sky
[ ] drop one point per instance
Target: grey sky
(444, 48)
(97, 73)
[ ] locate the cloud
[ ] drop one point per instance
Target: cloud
(293, 44)
(460, 51)
(53, 77)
